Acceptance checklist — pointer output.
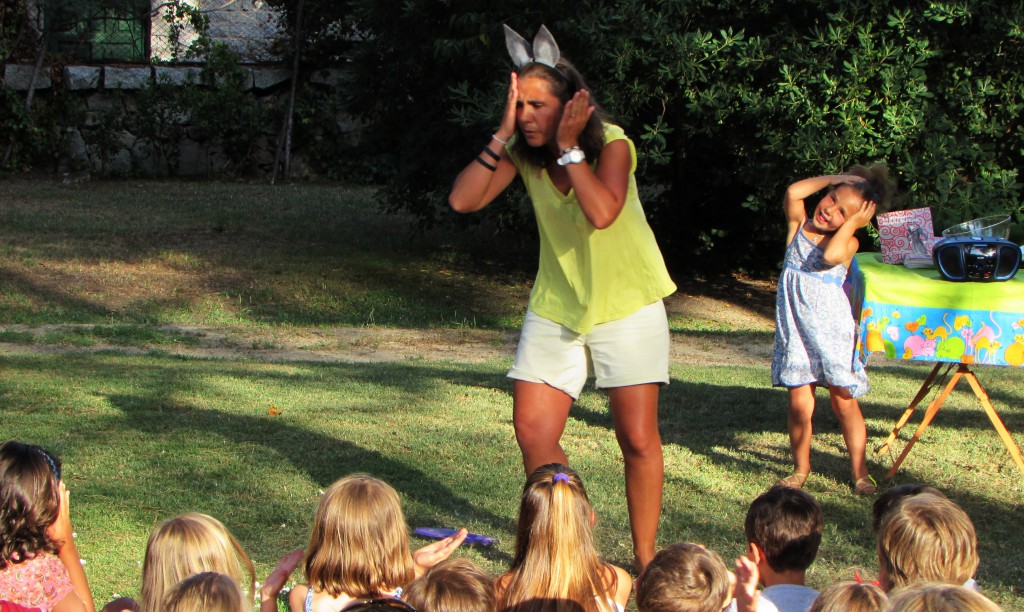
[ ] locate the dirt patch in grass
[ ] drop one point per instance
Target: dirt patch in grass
(726, 321)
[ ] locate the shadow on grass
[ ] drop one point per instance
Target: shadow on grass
(717, 423)
(157, 416)
(322, 458)
(50, 296)
(307, 255)
(733, 429)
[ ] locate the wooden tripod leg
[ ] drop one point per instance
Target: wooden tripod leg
(921, 394)
(929, 414)
(993, 416)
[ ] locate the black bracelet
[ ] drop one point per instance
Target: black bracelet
(483, 163)
(492, 154)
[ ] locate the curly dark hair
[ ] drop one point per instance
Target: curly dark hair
(564, 81)
(877, 186)
(29, 501)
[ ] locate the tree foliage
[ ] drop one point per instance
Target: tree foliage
(727, 101)
(35, 125)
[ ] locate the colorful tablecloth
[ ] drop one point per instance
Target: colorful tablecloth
(917, 315)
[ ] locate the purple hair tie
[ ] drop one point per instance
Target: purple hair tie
(560, 476)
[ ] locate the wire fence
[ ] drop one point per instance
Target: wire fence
(247, 27)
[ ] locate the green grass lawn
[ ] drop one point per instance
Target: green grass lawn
(241, 254)
(147, 436)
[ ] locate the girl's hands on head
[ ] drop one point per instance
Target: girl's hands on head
(847, 179)
(575, 115)
(60, 531)
(863, 215)
(432, 554)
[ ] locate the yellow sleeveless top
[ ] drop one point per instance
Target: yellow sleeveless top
(589, 276)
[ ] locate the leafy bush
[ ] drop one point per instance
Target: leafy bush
(727, 101)
(223, 112)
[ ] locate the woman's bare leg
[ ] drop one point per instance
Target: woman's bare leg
(539, 413)
(635, 415)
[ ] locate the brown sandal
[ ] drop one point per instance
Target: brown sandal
(865, 486)
(795, 480)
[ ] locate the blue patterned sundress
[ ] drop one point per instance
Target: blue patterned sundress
(814, 328)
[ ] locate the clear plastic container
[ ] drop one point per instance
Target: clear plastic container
(997, 226)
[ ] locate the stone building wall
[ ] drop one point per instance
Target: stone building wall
(109, 89)
(247, 27)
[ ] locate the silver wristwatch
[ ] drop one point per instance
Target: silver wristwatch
(572, 155)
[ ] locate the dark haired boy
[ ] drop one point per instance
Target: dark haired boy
(783, 529)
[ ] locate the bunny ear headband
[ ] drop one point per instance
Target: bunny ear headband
(544, 50)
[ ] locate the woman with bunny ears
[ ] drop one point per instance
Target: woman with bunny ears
(597, 299)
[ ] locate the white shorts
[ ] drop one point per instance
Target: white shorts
(632, 350)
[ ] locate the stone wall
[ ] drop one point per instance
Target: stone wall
(108, 89)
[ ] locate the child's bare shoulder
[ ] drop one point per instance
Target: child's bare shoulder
(623, 582)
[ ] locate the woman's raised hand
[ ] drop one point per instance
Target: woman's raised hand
(508, 120)
(575, 115)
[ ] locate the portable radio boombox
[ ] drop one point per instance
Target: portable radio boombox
(966, 258)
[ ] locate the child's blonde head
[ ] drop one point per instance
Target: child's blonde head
(939, 597)
(929, 538)
(29, 501)
(206, 592)
(555, 559)
(850, 596)
(359, 544)
(876, 187)
(453, 585)
(190, 544)
(890, 498)
(683, 577)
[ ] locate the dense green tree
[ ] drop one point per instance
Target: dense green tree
(728, 101)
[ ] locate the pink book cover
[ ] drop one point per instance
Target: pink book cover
(906, 232)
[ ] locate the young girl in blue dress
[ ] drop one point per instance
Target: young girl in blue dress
(814, 327)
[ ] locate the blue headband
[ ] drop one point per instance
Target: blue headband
(560, 476)
(51, 462)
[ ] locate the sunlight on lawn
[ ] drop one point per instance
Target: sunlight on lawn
(147, 437)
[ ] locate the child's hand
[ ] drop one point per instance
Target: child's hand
(863, 215)
(847, 179)
(432, 554)
(60, 531)
(746, 592)
(275, 581)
